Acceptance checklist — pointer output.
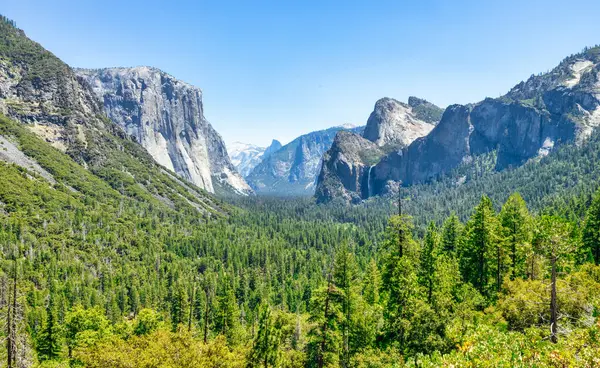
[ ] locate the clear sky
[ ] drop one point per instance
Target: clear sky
(281, 68)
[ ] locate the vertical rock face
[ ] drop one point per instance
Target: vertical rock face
(166, 116)
(245, 157)
(394, 124)
(532, 118)
(349, 167)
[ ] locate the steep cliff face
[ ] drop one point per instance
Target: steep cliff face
(293, 169)
(245, 157)
(348, 172)
(166, 116)
(530, 120)
(394, 124)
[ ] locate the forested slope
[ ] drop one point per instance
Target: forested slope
(108, 260)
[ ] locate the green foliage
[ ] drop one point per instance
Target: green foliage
(147, 322)
(591, 231)
(481, 254)
(326, 316)
(517, 233)
(265, 348)
(49, 344)
(125, 265)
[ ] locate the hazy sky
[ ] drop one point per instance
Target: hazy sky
(278, 69)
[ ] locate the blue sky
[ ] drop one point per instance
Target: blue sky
(278, 69)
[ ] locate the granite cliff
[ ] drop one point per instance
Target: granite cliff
(347, 170)
(41, 94)
(529, 121)
(166, 116)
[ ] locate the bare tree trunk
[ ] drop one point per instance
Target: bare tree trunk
(11, 329)
(9, 342)
(553, 311)
(206, 310)
(498, 271)
(400, 230)
(191, 306)
(513, 251)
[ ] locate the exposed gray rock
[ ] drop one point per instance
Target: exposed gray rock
(393, 125)
(347, 165)
(44, 94)
(293, 169)
(166, 116)
(530, 120)
(9, 152)
(52, 101)
(349, 173)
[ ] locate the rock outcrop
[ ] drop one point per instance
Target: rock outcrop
(166, 116)
(38, 89)
(349, 166)
(529, 121)
(293, 169)
(245, 157)
(394, 124)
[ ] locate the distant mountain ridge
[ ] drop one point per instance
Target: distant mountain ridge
(246, 156)
(533, 118)
(293, 169)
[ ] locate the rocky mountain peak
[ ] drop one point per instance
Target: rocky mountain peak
(273, 147)
(245, 156)
(347, 169)
(394, 124)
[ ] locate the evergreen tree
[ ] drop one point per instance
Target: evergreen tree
(451, 233)
(227, 319)
(49, 342)
(553, 240)
(516, 231)
(371, 283)
(429, 254)
(345, 276)
(591, 231)
(481, 256)
(399, 281)
(326, 315)
(179, 307)
(265, 347)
